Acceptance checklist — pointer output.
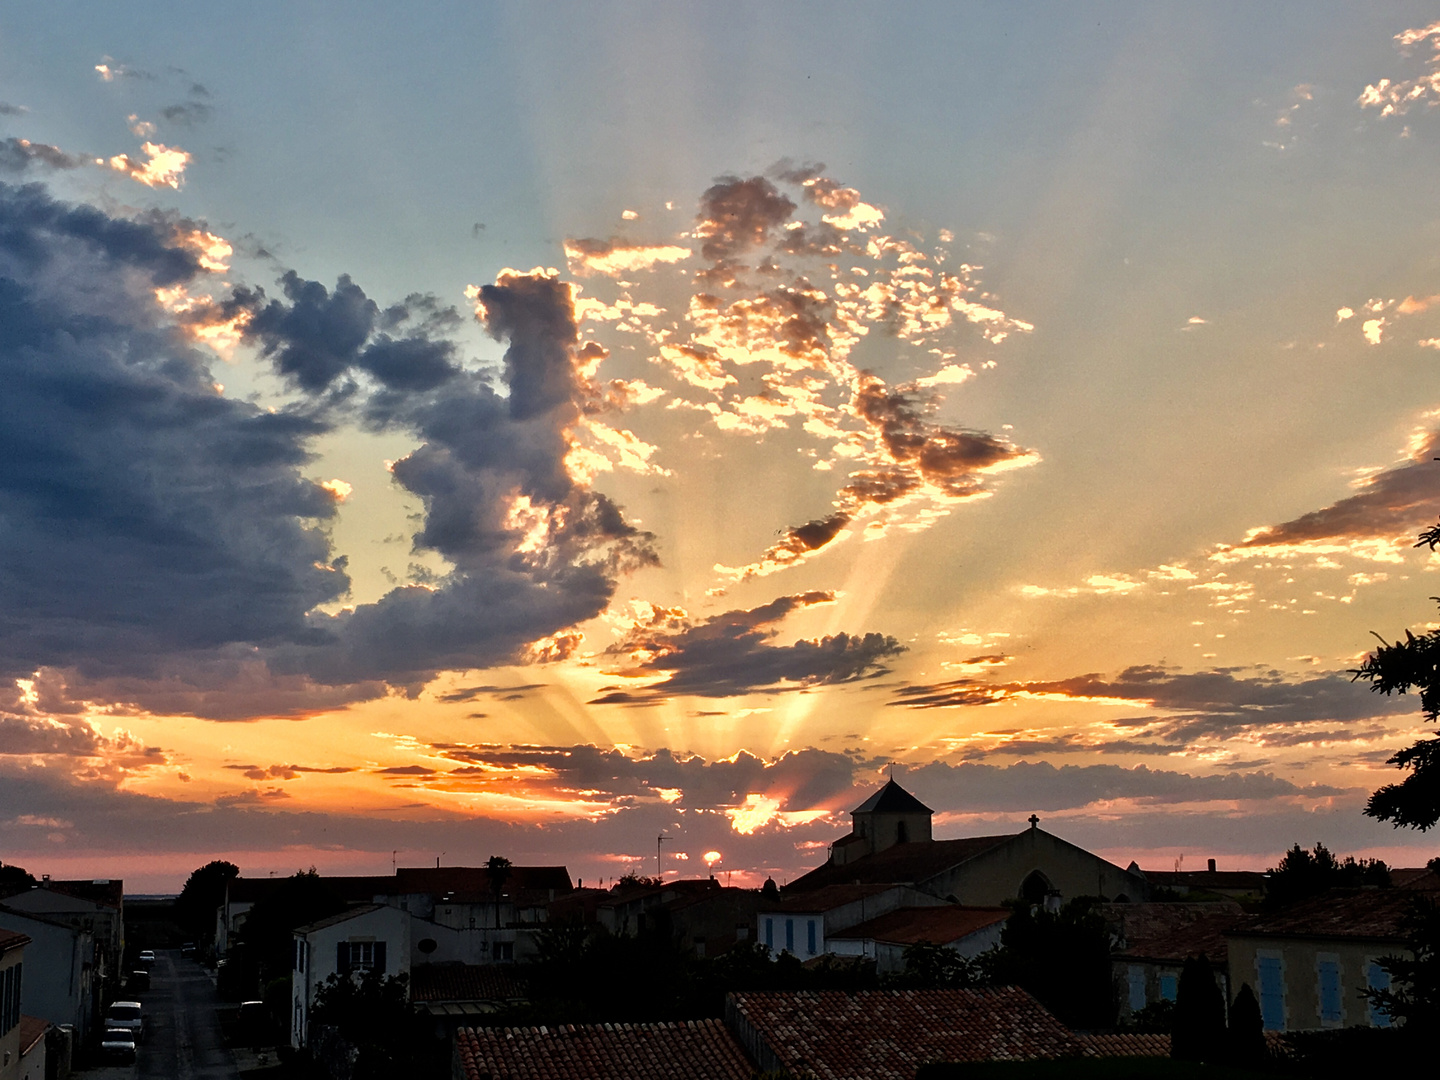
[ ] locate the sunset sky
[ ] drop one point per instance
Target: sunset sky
(445, 430)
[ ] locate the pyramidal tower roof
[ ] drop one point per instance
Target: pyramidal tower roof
(892, 798)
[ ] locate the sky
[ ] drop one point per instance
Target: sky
(542, 429)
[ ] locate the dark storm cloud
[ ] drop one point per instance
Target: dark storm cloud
(801, 779)
(159, 545)
(143, 514)
(733, 653)
(1024, 786)
(285, 772)
(19, 155)
(1201, 704)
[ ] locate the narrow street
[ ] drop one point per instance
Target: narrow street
(182, 1033)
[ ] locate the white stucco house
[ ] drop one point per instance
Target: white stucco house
(369, 937)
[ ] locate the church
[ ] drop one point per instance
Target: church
(891, 842)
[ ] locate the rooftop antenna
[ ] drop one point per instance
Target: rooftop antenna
(658, 841)
(393, 853)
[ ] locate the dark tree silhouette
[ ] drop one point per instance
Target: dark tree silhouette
(935, 967)
(204, 891)
(1396, 668)
(15, 879)
(1063, 958)
(497, 869)
(372, 1014)
(1199, 1033)
(1303, 874)
(1414, 994)
(1246, 1034)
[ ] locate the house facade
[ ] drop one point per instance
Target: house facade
(12, 973)
(1311, 963)
(59, 984)
(804, 924)
(97, 907)
(966, 931)
(370, 937)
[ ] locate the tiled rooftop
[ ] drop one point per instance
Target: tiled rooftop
(1126, 1044)
(12, 939)
(1173, 931)
(1339, 913)
(888, 1034)
(694, 1050)
(463, 982)
(32, 1030)
(912, 862)
(938, 925)
(825, 898)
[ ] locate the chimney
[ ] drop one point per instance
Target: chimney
(1212, 865)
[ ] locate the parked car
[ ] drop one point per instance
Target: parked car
(126, 1015)
(147, 958)
(187, 950)
(118, 1044)
(139, 981)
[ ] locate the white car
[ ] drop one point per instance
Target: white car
(147, 957)
(125, 1015)
(118, 1045)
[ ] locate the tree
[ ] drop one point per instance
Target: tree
(1414, 992)
(497, 869)
(1246, 1035)
(936, 967)
(14, 879)
(1199, 1032)
(1396, 668)
(371, 1014)
(204, 891)
(1303, 874)
(296, 901)
(1063, 958)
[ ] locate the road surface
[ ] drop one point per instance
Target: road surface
(182, 1034)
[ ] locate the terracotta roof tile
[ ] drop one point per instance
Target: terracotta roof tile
(32, 1030)
(938, 925)
(1339, 913)
(12, 939)
(826, 898)
(912, 862)
(888, 1034)
(1169, 931)
(693, 1050)
(464, 982)
(1126, 1044)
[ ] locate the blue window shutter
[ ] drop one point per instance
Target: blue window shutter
(790, 935)
(810, 935)
(342, 958)
(769, 933)
(1379, 979)
(1330, 1011)
(1137, 988)
(1169, 987)
(380, 957)
(1272, 993)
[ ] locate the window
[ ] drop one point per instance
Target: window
(810, 936)
(700, 947)
(1270, 977)
(770, 933)
(742, 932)
(360, 956)
(1327, 969)
(502, 950)
(790, 935)
(1377, 978)
(1169, 987)
(1137, 987)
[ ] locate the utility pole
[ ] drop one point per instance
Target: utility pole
(660, 873)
